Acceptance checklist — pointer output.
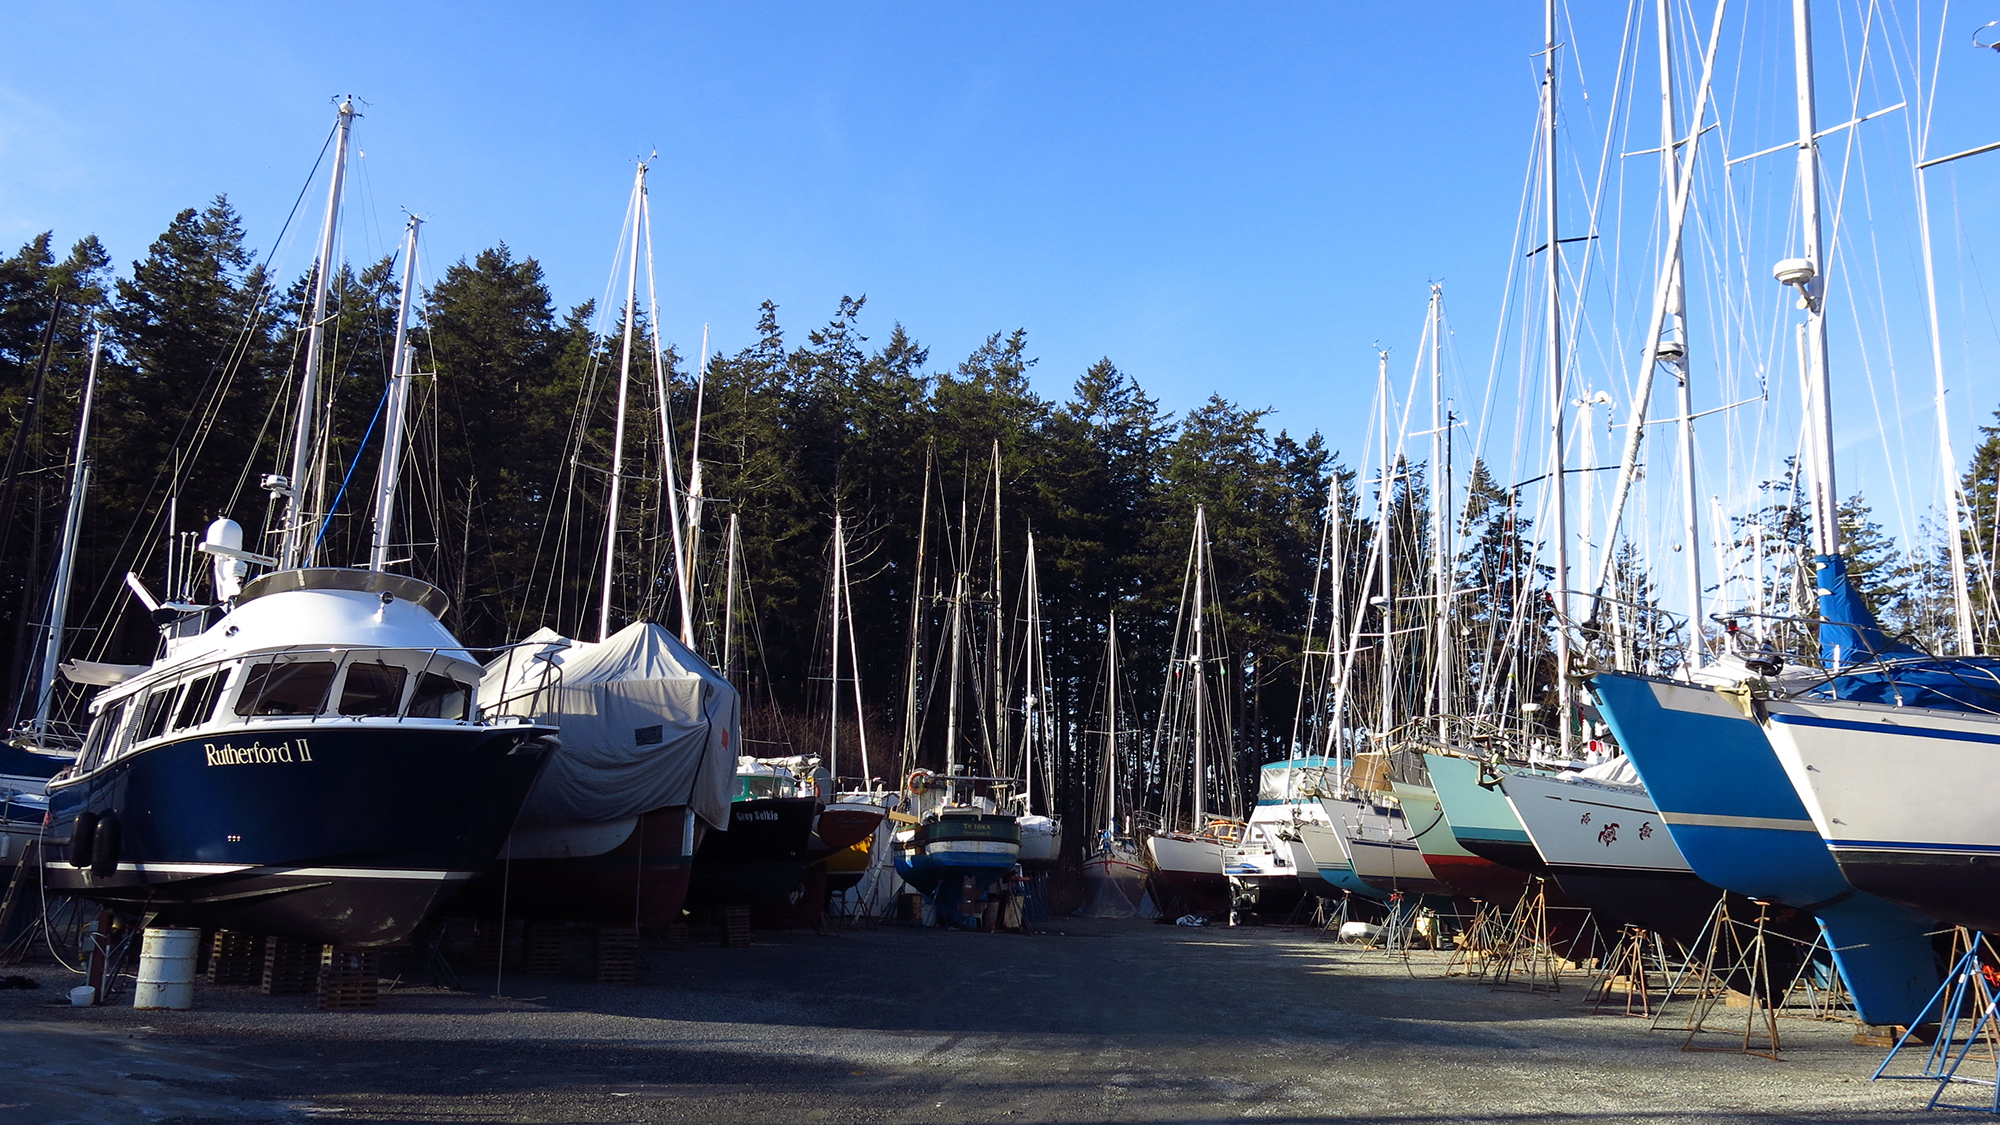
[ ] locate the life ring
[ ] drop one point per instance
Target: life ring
(104, 847)
(81, 832)
(917, 779)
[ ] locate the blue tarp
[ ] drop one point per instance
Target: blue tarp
(1896, 674)
(1848, 633)
(1958, 683)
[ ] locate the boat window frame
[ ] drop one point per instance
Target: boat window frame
(217, 685)
(103, 731)
(161, 704)
(250, 692)
(460, 688)
(404, 688)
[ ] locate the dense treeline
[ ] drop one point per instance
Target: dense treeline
(511, 450)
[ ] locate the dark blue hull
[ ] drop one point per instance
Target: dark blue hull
(342, 833)
(1739, 822)
(761, 861)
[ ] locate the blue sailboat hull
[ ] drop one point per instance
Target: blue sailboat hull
(1736, 818)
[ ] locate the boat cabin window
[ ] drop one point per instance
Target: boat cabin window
(159, 707)
(373, 690)
(754, 787)
(198, 702)
(439, 697)
(296, 687)
(101, 731)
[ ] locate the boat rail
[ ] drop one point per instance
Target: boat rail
(127, 739)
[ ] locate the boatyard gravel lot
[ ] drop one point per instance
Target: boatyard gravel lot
(1105, 1021)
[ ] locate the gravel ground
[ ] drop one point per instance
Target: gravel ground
(1103, 1022)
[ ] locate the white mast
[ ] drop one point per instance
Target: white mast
(1200, 663)
(916, 618)
(293, 543)
(1111, 722)
(1954, 502)
(79, 484)
(854, 667)
(399, 403)
(997, 738)
(1030, 729)
(669, 479)
(951, 705)
(1667, 300)
(729, 601)
(1559, 500)
(1812, 293)
(833, 721)
(611, 503)
(1441, 504)
(1337, 660)
(1675, 352)
(694, 485)
(1387, 598)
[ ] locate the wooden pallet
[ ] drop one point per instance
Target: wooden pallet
(617, 955)
(235, 958)
(735, 926)
(545, 948)
(291, 967)
(348, 979)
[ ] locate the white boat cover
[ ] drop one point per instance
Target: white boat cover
(645, 724)
(1615, 771)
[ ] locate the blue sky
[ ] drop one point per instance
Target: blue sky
(1233, 198)
(1219, 198)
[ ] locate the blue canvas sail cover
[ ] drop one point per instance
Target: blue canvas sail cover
(1848, 631)
(1894, 673)
(1953, 683)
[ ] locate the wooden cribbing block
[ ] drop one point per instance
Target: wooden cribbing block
(545, 948)
(617, 955)
(735, 926)
(291, 967)
(235, 958)
(348, 979)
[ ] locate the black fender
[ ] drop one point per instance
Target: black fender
(104, 846)
(82, 832)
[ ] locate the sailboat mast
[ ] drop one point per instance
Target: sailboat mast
(1559, 524)
(1954, 495)
(669, 478)
(951, 705)
(1030, 744)
(399, 404)
(1676, 354)
(1812, 334)
(833, 712)
(997, 739)
(79, 484)
(916, 619)
(612, 501)
(1388, 595)
(1111, 722)
(846, 594)
(1200, 664)
(729, 602)
(695, 497)
(1441, 502)
(293, 542)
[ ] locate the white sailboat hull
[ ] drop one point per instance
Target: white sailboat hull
(1903, 798)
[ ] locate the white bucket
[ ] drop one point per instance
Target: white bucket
(82, 996)
(166, 969)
